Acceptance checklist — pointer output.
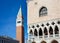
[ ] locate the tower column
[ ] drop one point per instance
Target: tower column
(19, 27)
(20, 34)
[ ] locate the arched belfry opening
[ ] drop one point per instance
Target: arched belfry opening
(35, 32)
(31, 32)
(54, 41)
(56, 30)
(45, 31)
(50, 30)
(40, 32)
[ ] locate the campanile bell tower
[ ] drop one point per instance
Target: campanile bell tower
(19, 27)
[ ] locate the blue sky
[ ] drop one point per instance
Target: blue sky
(8, 14)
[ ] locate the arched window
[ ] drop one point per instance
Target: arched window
(43, 42)
(45, 31)
(40, 32)
(43, 11)
(54, 41)
(35, 33)
(56, 30)
(50, 30)
(31, 32)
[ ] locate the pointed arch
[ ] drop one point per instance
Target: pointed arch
(31, 32)
(54, 41)
(33, 42)
(56, 30)
(43, 42)
(35, 32)
(51, 30)
(45, 31)
(40, 32)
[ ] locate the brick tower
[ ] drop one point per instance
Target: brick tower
(19, 27)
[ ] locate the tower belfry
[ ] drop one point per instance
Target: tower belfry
(19, 17)
(19, 27)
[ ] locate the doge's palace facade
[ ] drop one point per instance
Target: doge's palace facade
(43, 17)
